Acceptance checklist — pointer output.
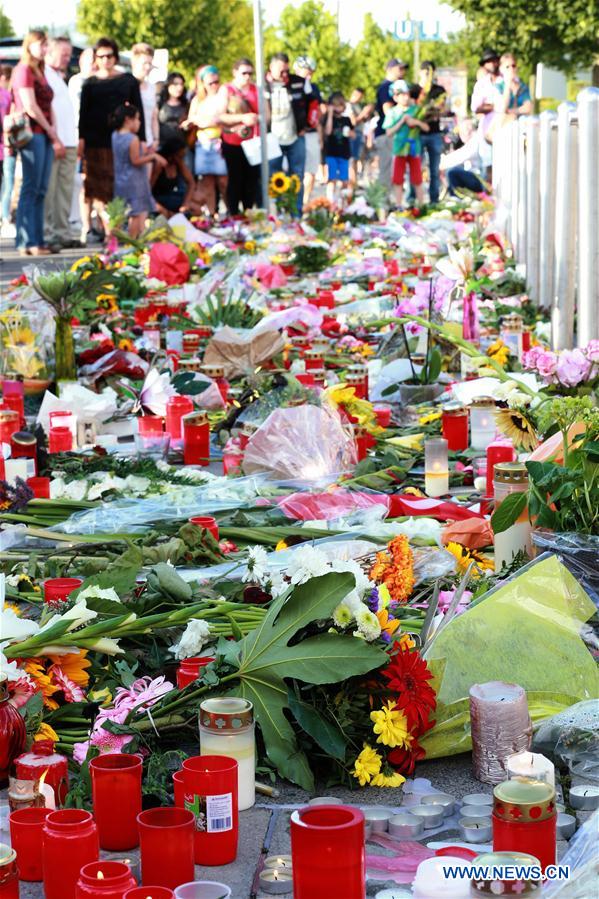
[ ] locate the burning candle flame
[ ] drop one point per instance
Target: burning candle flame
(100, 876)
(281, 862)
(275, 874)
(43, 777)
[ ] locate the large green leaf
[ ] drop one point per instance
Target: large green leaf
(323, 731)
(266, 659)
(508, 512)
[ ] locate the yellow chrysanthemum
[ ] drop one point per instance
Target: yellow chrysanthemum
(46, 732)
(388, 780)
(465, 556)
(80, 262)
(391, 726)
(367, 765)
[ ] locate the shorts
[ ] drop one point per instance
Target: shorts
(355, 145)
(209, 159)
(338, 168)
(399, 169)
(312, 142)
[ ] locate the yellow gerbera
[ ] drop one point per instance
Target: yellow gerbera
(391, 726)
(388, 625)
(46, 732)
(367, 765)
(74, 665)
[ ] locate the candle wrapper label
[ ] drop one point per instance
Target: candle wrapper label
(213, 814)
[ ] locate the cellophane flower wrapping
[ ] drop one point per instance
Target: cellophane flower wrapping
(303, 444)
(526, 632)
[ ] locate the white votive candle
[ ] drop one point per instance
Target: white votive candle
(532, 765)
(436, 467)
(227, 728)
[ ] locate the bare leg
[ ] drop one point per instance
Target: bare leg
(309, 179)
(398, 189)
(136, 224)
(419, 192)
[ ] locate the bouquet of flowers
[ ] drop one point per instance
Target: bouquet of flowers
(284, 189)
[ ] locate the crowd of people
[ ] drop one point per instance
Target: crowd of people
(108, 132)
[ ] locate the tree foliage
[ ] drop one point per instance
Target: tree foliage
(6, 29)
(196, 32)
(560, 33)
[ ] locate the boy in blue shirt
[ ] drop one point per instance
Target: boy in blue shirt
(403, 124)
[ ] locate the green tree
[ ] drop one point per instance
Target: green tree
(310, 30)
(6, 29)
(560, 33)
(372, 53)
(195, 32)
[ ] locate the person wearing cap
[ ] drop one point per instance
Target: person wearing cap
(403, 123)
(484, 94)
(305, 66)
(394, 70)
(434, 103)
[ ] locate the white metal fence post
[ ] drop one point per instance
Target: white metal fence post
(588, 216)
(547, 188)
(566, 194)
(531, 130)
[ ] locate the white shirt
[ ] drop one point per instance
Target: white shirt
(148, 101)
(62, 105)
(282, 118)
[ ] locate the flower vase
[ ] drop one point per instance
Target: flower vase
(64, 351)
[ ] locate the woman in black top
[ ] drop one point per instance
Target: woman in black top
(172, 108)
(100, 96)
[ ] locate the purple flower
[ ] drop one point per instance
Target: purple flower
(573, 367)
(373, 600)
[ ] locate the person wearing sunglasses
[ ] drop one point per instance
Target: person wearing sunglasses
(239, 118)
(513, 95)
(101, 95)
(210, 167)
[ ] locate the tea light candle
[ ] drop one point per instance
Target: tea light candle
(280, 862)
(585, 796)
(476, 811)
(326, 800)
(566, 825)
(478, 799)
(436, 467)
(276, 881)
(378, 818)
(444, 800)
(432, 816)
(532, 765)
(500, 725)
(405, 826)
(475, 830)
(203, 889)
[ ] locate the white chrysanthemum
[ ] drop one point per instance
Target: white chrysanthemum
(368, 624)
(257, 565)
(77, 490)
(343, 616)
(194, 638)
(58, 488)
(362, 580)
(274, 583)
(307, 562)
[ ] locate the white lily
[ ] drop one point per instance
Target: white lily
(11, 669)
(458, 264)
(155, 392)
(13, 628)
(107, 645)
(76, 616)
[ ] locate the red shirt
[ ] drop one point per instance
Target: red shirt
(24, 76)
(240, 102)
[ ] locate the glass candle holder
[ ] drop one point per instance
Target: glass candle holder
(436, 467)
(525, 819)
(70, 841)
(26, 827)
(166, 837)
(500, 725)
(57, 589)
(208, 522)
(116, 795)
(104, 880)
(156, 446)
(9, 876)
(196, 439)
(60, 439)
(383, 416)
(360, 372)
(12, 730)
(40, 487)
(64, 418)
(189, 669)
(13, 397)
(211, 794)
(149, 892)
(176, 408)
(42, 760)
(227, 729)
(179, 788)
(482, 422)
(203, 889)
(217, 373)
(518, 887)
(454, 425)
(24, 793)
(328, 852)
(150, 425)
(511, 332)
(498, 451)
(511, 477)
(10, 422)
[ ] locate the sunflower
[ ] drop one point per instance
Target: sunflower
(465, 556)
(19, 337)
(295, 184)
(279, 183)
(515, 425)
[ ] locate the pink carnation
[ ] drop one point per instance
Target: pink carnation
(573, 367)
(530, 357)
(547, 364)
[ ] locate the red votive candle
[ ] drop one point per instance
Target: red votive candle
(313, 359)
(454, 426)
(116, 794)
(166, 838)
(306, 379)
(211, 794)
(176, 408)
(23, 445)
(525, 819)
(26, 825)
(70, 841)
(57, 589)
(13, 397)
(150, 425)
(327, 851)
(9, 875)
(196, 439)
(104, 880)
(189, 670)
(383, 416)
(498, 451)
(9, 423)
(60, 439)
(149, 892)
(40, 761)
(40, 487)
(179, 788)
(207, 522)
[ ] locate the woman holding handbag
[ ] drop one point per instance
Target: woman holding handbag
(32, 133)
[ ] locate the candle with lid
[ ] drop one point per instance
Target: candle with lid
(436, 467)
(511, 333)
(516, 887)
(482, 422)
(227, 729)
(511, 477)
(196, 439)
(498, 451)
(500, 725)
(524, 818)
(104, 880)
(211, 795)
(531, 765)
(9, 877)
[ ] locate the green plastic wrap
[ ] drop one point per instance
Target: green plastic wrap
(525, 632)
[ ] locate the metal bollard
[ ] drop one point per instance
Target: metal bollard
(588, 216)
(566, 204)
(533, 203)
(522, 207)
(547, 188)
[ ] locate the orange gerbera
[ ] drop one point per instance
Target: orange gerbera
(35, 669)
(64, 674)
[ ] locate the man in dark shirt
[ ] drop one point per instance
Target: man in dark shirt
(394, 70)
(434, 101)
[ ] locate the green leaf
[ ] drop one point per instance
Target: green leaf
(121, 576)
(164, 579)
(266, 659)
(508, 512)
(434, 366)
(326, 733)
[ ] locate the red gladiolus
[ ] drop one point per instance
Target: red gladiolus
(409, 676)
